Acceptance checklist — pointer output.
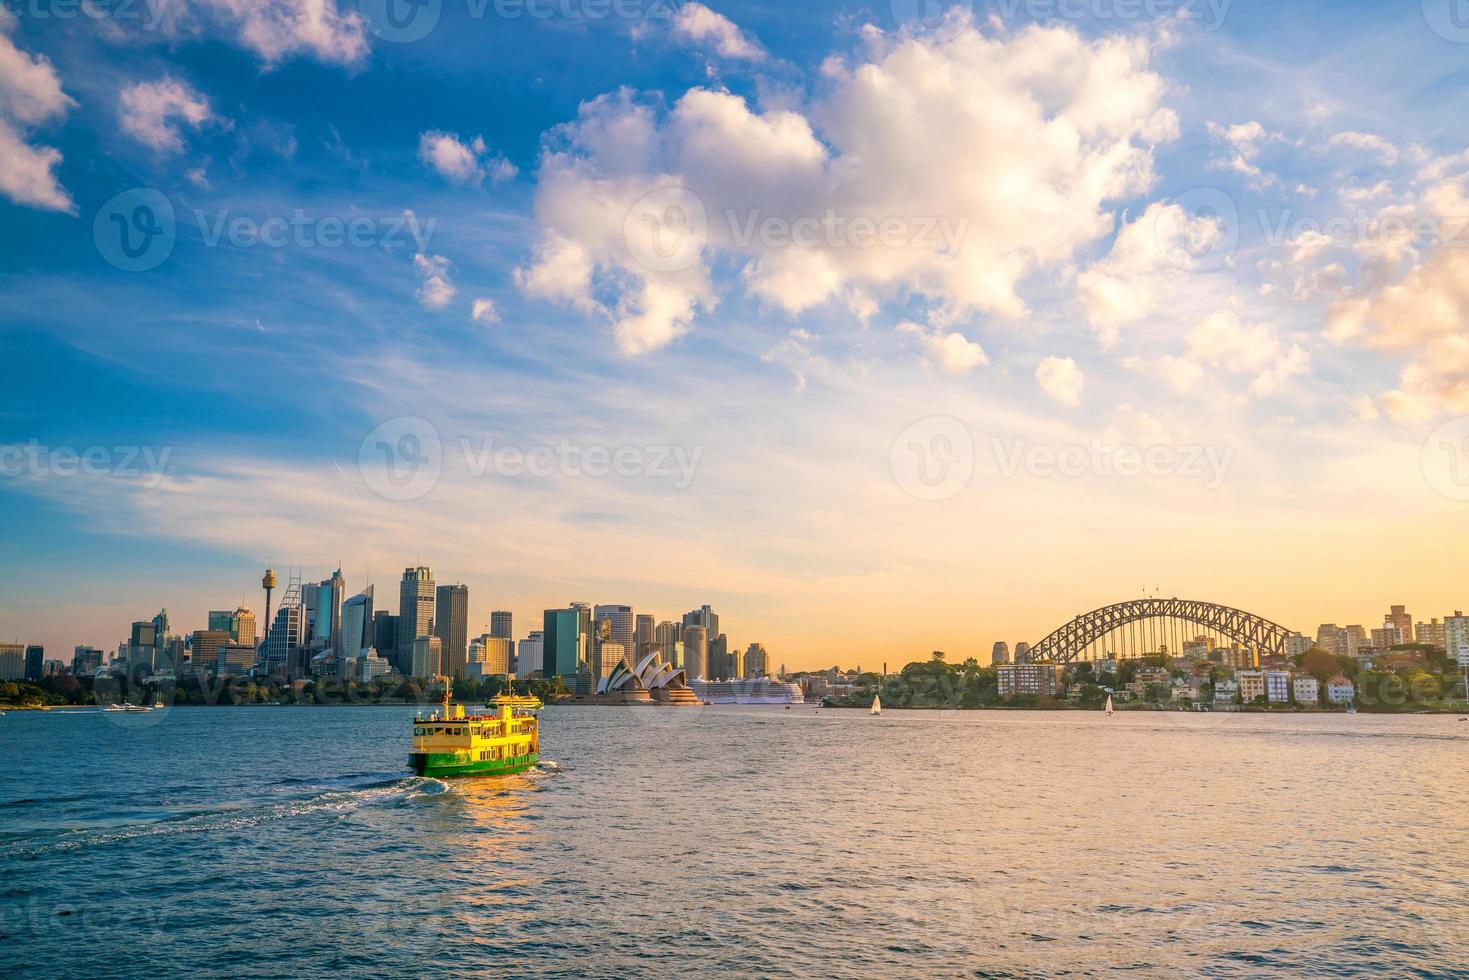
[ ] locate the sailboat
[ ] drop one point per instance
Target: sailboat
(1110, 710)
(876, 708)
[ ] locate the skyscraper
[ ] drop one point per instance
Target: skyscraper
(530, 654)
(642, 637)
(695, 652)
(12, 662)
(243, 628)
(35, 662)
(1456, 638)
(357, 623)
(428, 657)
(451, 626)
(757, 661)
(415, 614)
(1400, 617)
(667, 636)
(220, 620)
(703, 616)
(622, 623)
(385, 636)
(502, 625)
(329, 596)
(561, 643)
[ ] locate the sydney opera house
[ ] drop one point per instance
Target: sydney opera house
(651, 682)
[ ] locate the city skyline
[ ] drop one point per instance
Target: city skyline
(1181, 334)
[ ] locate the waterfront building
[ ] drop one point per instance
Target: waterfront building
(1108, 666)
(428, 657)
(286, 637)
(1039, 679)
(12, 661)
(357, 623)
(204, 650)
(1238, 657)
(1000, 654)
(1226, 692)
(329, 597)
(369, 666)
(1307, 689)
(415, 613)
(1251, 685)
(610, 656)
(1277, 686)
(1340, 690)
(1456, 638)
(587, 635)
(695, 652)
(561, 643)
(451, 626)
(1356, 639)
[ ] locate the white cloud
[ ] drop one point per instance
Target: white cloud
(485, 311)
(986, 159)
(950, 351)
(151, 112)
(1243, 141)
(1367, 143)
(1150, 256)
(461, 162)
(699, 24)
(30, 94)
(1061, 380)
(1226, 341)
(437, 291)
(279, 29)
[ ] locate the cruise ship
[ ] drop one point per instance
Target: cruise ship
(749, 690)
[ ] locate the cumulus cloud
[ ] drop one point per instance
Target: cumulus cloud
(696, 22)
(949, 351)
(950, 168)
(152, 112)
(1061, 380)
(1226, 341)
(461, 162)
(1150, 256)
(30, 95)
(279, 29)
(485, 311)
(436, 291)
(1412, 296)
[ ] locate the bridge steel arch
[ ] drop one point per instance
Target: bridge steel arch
(1071, 641)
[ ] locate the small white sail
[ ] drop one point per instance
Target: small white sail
(876, 705)
(1110, 712)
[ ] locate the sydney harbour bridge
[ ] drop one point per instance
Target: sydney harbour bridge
(1141, 627)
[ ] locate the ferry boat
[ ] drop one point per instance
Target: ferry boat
(449, 743)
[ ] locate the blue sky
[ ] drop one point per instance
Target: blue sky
(1096, 296)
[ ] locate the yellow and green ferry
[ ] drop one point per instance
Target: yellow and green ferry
(450, 743)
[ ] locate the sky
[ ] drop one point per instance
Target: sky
(882, 328)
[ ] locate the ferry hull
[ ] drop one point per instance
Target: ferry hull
(448, 765)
